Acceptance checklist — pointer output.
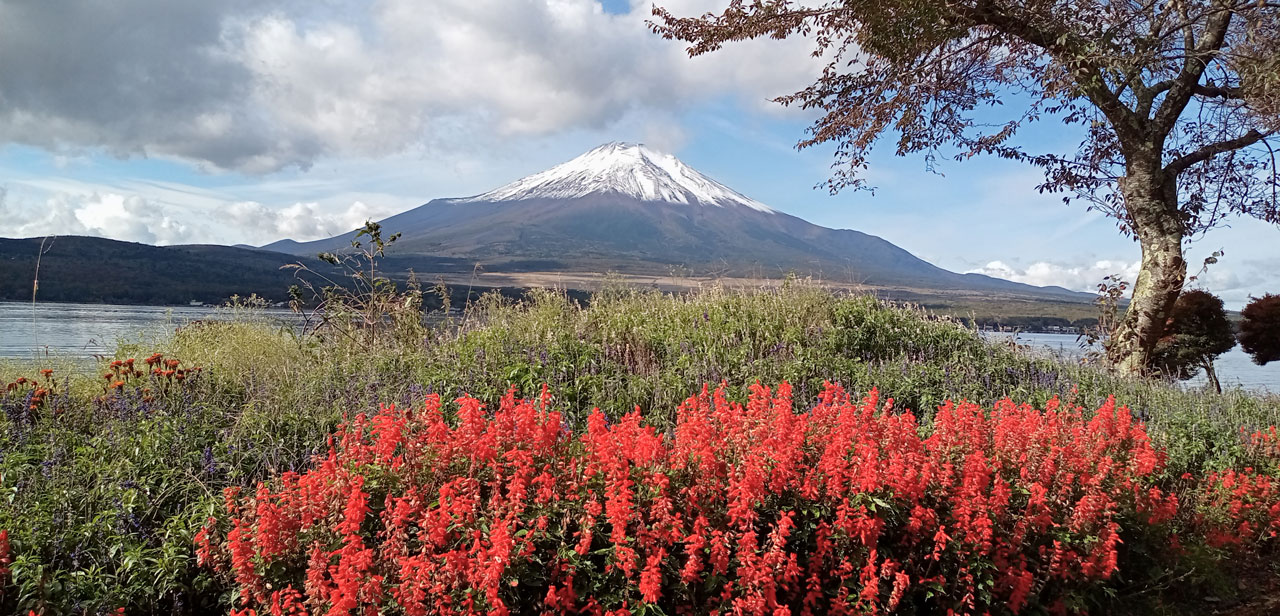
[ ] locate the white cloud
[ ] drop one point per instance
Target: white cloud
(665, 136)
(163, 215)
(1077, 277)
(300, 221)
(124, 217)
(521, 68)
(262, 86)
(1233, 281)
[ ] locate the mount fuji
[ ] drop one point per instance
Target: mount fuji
(631, 209)
(626, 169)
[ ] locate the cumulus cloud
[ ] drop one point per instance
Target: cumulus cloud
(264, 85)
(1236, 281)
(1077, 277)
(1232, 281)
(300, 221)
(123, 217)
(197, 219)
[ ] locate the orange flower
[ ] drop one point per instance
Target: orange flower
(47, 372)
(118, 385)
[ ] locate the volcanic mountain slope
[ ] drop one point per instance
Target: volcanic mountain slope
(628, 208)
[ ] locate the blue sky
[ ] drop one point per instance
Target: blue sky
(245, 122)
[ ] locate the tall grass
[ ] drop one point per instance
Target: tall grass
(103, 496)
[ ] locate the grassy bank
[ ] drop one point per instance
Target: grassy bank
(110, 477)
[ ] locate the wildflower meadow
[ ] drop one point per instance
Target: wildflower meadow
(784, 451)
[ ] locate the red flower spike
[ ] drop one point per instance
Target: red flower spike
(840, 508)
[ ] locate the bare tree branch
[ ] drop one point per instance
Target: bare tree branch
(1232, 92)
(1209, 151)
(1193, 67)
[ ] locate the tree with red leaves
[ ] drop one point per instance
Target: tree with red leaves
(1198, 332)
(1260, 329)
(1176, 103)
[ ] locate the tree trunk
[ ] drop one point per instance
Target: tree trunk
(1212, 375)
(1151, 200)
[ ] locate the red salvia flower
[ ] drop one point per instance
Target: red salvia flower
(839, 509)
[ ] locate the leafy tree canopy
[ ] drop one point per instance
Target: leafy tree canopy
(1175, 99)
(1186, 80)
(1260, 329)
(1197, 333)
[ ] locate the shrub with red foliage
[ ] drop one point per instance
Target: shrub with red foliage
(6, 558)
(1260, 329)
(848, 507)
(1240, 509)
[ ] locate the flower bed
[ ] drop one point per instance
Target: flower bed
(849, 507)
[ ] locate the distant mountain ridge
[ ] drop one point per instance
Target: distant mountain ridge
(97, 270)
(626, 207)
(100, 270)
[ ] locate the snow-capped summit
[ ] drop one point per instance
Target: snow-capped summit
(629, 169)
(627, 208)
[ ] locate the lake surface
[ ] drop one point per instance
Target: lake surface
(81, 331)
(1235, 367)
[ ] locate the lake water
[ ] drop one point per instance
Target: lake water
(81, 331)
(1235, 367)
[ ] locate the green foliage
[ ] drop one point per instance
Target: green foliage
(364, 309)
(101, 496)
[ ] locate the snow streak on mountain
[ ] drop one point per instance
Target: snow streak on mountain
(627, 169)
